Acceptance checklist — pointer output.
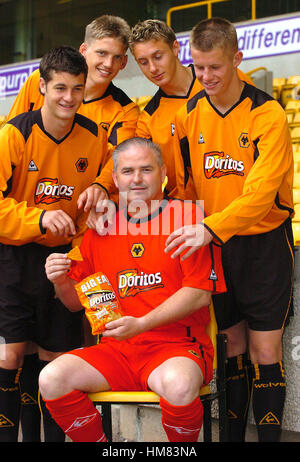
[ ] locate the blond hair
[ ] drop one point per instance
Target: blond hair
(108, 26)
(214, 33)
(151, 29)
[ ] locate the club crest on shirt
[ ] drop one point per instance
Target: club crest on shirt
(244, 141)
(81, 164)
(218, 164)
(137, 250)
(131, 282)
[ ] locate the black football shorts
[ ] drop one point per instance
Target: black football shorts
(29, 309)
(258, 272)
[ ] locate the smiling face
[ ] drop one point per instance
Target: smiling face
(63, 95)
(215, 69)
(157, 60)
(138, 175)
(105, 58)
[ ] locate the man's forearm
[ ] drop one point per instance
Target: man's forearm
(67, 294)
(183, 303)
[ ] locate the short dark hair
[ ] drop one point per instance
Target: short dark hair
(63, 59)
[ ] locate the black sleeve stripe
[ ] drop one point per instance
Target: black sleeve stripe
(119, 95)
(113, 137)
(191, 104)
(154, 103)
(185, 153)
(89, 124)
(24, 122)
(9, 183)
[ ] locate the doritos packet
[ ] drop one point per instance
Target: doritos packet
(99, 300)
(75, 254)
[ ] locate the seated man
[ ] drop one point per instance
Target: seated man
(160, 343)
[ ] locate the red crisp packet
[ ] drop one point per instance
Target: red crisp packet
(99, 300)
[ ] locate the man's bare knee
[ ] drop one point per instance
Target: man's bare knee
(11, 355)
(53, 381)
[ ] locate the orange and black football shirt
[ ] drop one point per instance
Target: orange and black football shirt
(143, 276)
(38, 173)
(114, 112)
(241, 162)
(157, 119)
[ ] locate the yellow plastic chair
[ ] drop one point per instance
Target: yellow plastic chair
(296, 217)
(108, 398)
(296, 232)
(296, 120)
(296, 196)
(278, 83)
(295, 134)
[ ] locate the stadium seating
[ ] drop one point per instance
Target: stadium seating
(287, 92)
(208, 395)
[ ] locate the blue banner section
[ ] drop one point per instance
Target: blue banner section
(258, 39)
(13, 76)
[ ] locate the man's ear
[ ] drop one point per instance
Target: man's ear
(42, 86)
(237, 59)
(176, 48)
(115, 178)
(163, 173)
(124, 62)
(83, 48)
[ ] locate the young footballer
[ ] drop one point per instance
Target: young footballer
(49, 159)
(104, 48)
(160, 342)
(233, 142)
(155, 48)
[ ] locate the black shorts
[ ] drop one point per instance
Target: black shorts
(29, 309)
(258, 272)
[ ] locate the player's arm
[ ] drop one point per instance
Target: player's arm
(57, 267)
(143, 126)
(29, 97)
(124, 126)
(274, 162)
(181, 304)
(273, 165)
(181, 153)
(20, 222)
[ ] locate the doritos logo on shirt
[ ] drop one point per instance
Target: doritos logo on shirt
(48, 190)
(217, 164)
(131, 282)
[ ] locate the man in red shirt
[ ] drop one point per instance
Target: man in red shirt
(161, 342)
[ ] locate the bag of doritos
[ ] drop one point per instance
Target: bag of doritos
(99, 300)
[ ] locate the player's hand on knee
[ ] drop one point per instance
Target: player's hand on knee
(56, 267)
(59, 223)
